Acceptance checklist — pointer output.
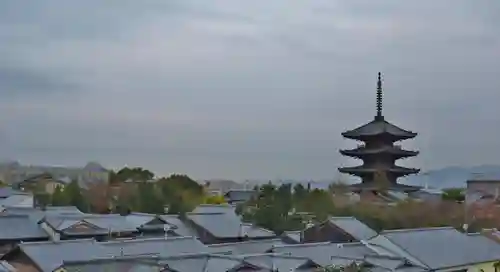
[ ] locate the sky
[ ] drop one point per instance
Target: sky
(245, 89)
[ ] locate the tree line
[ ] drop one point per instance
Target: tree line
(134, 190)
(278, 208)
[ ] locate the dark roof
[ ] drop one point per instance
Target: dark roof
(372, 186)
(20, 227)
(389, 149)
(378, 127)
(353, 227)
(394, 169)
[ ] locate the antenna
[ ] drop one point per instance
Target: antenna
(379, 115)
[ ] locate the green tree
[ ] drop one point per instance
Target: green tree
(149, 200)
(59, 198)
(454, 194)
(135, 174)
(74, 196)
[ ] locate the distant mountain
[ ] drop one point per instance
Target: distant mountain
(453, 176)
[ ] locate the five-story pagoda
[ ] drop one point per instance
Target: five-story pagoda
(379, 153)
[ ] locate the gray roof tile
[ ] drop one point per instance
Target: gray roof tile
(15, 200)
(247, 247)
(377, 127)
(7, 191)
(177, 226)
(455, 248)
(20, 227)
(324, 253)
(104, 222)
(294, 236)
(209, 208)
(162, 246)
(224, 225)
(50, 255)
(278, 262)
(354, 227)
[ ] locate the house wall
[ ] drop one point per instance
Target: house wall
(50, 186)
(484, 267)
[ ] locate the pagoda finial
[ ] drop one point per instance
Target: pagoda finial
(379, 97)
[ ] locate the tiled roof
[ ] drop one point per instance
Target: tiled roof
(113, 264)
(454, 247)
(279, 262)
(7, 191)
(377, 127)
(225, 225)
(19, 227)
(210, 208)
(198, 262)
(177, 226)
(327, 253)
(155, 246)
(202, 263)
(353, 227)
(138, 220)
(247, 247)
(15, 200)
(37, 215)
(50, 255)
(105, 222)
(295, 236)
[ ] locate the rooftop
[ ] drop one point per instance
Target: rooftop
(226, 225)
(20, 227)
(454, 247)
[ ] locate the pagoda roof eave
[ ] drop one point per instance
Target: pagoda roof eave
(372, 186)
(378, 127)
(363, 151)
(360, 170)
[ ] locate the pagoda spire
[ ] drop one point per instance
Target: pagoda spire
(379, 115)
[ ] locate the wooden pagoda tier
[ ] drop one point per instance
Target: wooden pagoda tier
(394, 151)
(379, 154)
(372, 186)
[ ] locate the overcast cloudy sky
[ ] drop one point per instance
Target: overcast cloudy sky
(245, 89)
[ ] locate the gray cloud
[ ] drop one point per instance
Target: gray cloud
(244, 88)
